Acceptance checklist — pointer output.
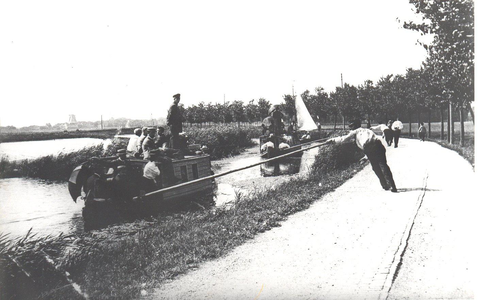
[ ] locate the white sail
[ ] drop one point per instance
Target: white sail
(304, 119)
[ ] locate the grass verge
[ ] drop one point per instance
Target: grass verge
(122, 262)
(467, 151)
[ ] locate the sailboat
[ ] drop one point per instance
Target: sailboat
(275, 145)
(305, 123)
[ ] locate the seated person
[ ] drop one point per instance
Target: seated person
(306, 136)
(149, 142)
(162, 139)
(151, 173)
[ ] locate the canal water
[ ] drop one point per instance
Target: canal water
(47, 208)
(36, 149)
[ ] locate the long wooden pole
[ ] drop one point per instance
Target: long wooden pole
(231, 171)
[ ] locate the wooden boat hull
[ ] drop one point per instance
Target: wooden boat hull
(106, 201)
(274, 152)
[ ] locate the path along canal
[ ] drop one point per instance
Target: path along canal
(47, 208)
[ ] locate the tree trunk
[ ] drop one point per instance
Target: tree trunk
(451, 127)
(335, 121)
(472, 112)
(429, 123)
(419, 120)
(343, 118)
(462, 128)
(442, 121)
(409, 123)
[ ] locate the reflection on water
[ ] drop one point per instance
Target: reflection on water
(48, 209)
(258, 178)
(44, 206)
(36, 149)
(285, 166)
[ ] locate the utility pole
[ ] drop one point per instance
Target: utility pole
(101, 121)
(342, 85)
(292, 88)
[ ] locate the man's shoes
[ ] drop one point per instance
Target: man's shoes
(395, 147)
(386, 188)
(394, 190)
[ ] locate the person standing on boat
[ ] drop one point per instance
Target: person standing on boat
(397, 127)
(175, 121)
(277, 116)
(372, 146)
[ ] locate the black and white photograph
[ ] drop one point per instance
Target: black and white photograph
(263, 149)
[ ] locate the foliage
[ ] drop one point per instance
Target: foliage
(451, 54)
(223, 141)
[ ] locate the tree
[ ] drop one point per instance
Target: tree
(237, 111)
(349, 105)
(288, 107)
(367, 97)
(385, 98)
(318, 105)
(252, 112)
(451, 54)
(263, 107)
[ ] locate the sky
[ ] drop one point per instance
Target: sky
(127, 58)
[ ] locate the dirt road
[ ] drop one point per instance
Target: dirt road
(360, 242)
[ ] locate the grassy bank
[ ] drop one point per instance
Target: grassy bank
(124, 261)
(55, 135)
(53, 167)
(467, 151)
(222, 142)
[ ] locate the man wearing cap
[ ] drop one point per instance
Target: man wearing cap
(175, 121)
(372, 146)
(149, 142)
(141, 139)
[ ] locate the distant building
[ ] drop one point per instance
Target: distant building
(72, 123)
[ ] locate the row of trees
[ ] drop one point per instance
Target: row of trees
(444, 83)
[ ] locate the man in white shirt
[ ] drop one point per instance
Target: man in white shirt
(151, 173)
(372, 146)
(397, 127)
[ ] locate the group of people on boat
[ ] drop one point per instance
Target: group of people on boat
(153, 145)
(273, 131)
(149, 138)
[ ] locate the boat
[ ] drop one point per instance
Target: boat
(274, 145)
(109, 198)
